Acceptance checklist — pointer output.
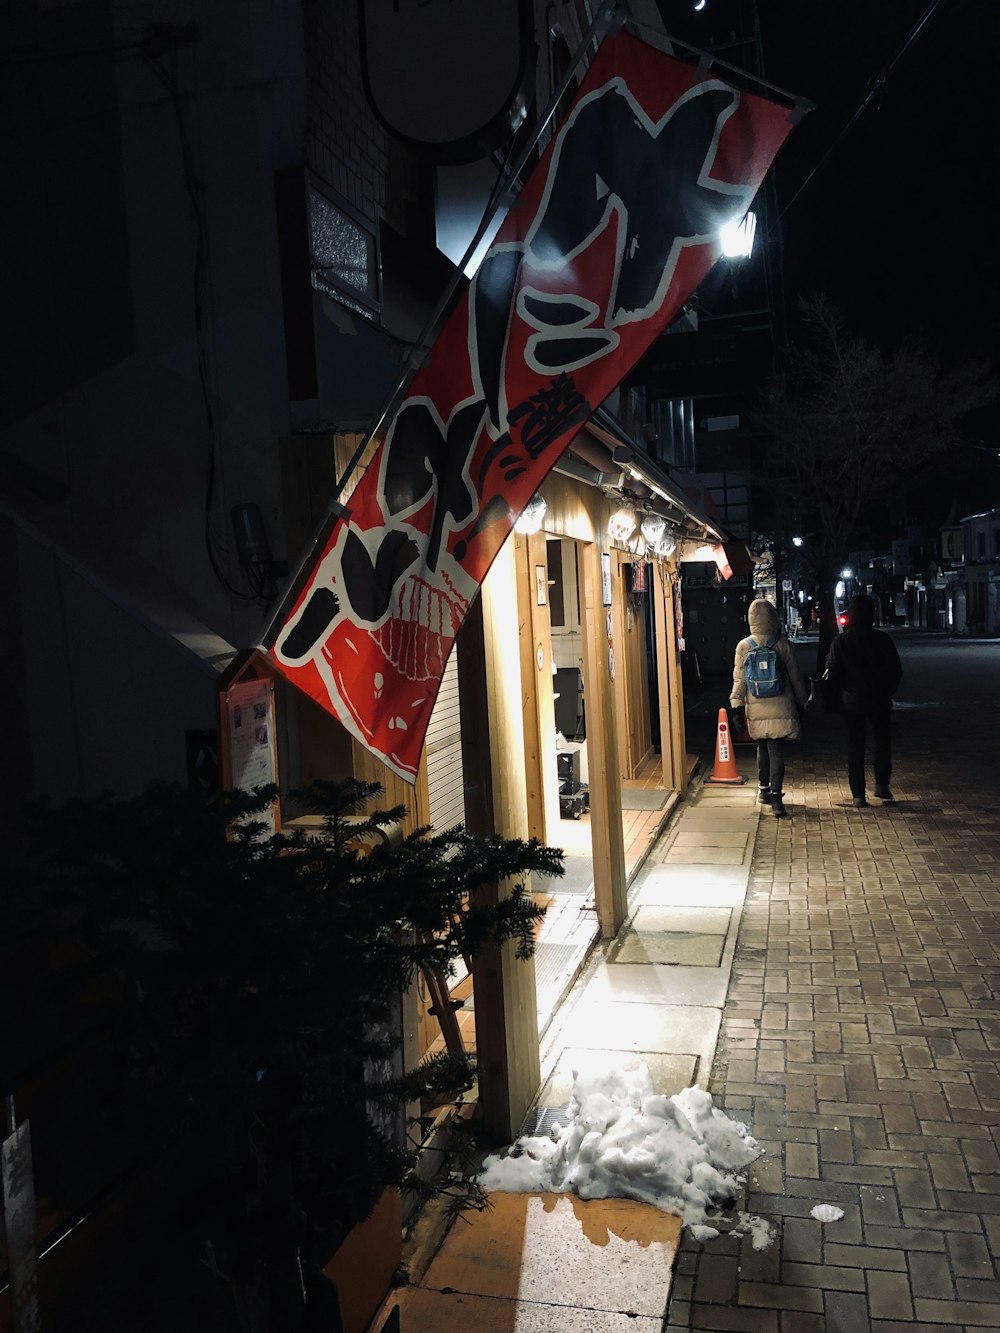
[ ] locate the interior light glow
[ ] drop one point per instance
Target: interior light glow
(736, 237)
(531, 516)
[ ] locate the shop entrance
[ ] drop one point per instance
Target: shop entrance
(571, 918)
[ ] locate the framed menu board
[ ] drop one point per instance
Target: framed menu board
(247, 729)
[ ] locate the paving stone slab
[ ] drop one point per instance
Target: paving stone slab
(669, 1073)
(681, 886)
(712, 834)
(606, 1255)
(697, 920)
(595, 1024)
(669, 949)
(697, 986)
(703, 855)
(424, 1311)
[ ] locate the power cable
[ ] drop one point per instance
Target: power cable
(875, 88)
(152, 52)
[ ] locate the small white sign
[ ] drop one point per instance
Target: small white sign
(786, 585)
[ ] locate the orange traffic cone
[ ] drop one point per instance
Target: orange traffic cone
(724, 772)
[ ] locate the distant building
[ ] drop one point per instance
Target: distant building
(975, 593)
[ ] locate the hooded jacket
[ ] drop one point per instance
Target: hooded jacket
(776, 718)
(863, 665)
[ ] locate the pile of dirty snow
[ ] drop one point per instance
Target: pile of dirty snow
(625, 1141)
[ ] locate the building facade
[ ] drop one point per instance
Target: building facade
(225, 261)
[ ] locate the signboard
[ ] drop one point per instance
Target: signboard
(448, 77)
(252, 746)
(247, 708)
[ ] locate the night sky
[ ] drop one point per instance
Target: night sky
(899, 226)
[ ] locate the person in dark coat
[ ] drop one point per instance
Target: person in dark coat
(769, 721)
(864, 671)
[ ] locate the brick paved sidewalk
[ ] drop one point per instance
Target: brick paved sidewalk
(861, 1036)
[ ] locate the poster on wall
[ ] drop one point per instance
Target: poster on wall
(605, 578)
(252, 741)
(679, 613)
(541, 585)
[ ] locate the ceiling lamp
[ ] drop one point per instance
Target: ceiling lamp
(531, 516)
(621, 525)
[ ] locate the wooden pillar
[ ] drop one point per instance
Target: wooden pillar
(538, 710)
(602, 751)
(673, 739)
(618, 685)
(493, 759)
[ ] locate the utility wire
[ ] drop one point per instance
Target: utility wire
(874, 89)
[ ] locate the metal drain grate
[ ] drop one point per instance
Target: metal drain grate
(541, 1119)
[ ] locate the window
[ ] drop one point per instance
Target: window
(673, 421)
(343, 258)
(980, 545)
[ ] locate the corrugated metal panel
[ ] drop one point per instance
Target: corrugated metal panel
(445, 778)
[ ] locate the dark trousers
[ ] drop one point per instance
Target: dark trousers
(858, 724)
(771, 764)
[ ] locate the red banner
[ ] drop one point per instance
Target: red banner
(616, 226)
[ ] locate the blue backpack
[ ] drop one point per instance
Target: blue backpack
(762, 670)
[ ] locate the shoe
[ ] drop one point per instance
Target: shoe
(860, 803)
(764, 796)
(883, 793)
(778, 805)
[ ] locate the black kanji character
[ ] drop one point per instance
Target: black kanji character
(548, 414)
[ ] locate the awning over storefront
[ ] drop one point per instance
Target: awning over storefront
(603, 455)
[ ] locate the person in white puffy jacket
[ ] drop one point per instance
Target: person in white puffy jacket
(769, 721)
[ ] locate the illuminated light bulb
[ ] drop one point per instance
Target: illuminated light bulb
(531, 516)
(621, 525)
(653, 528)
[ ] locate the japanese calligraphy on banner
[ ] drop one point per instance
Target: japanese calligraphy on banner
(615, 227)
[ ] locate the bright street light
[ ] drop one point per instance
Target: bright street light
(736, 237)
(796, 541)
(847, 572)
